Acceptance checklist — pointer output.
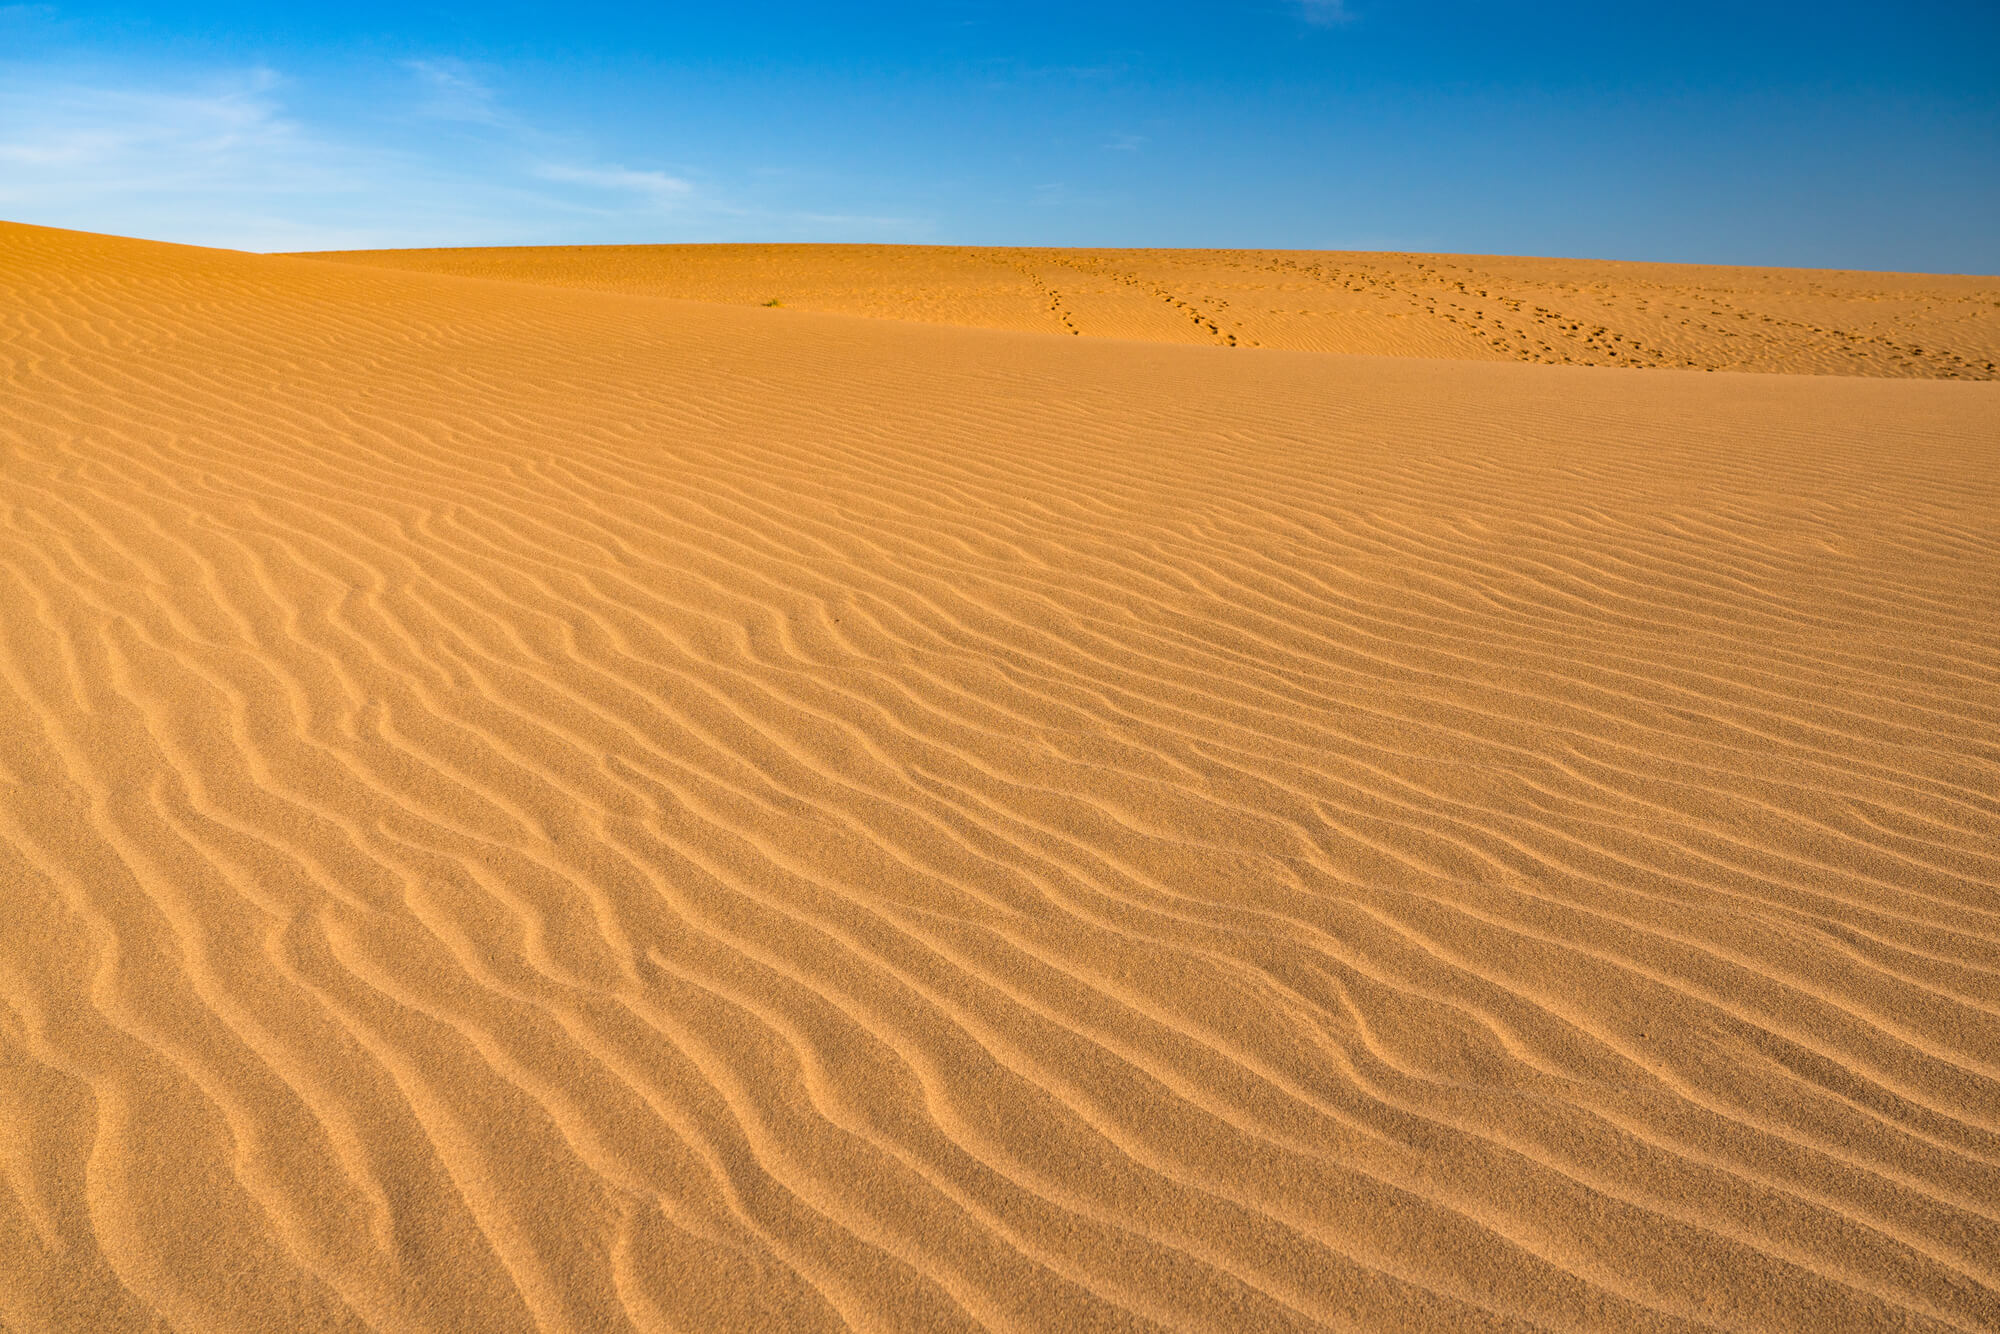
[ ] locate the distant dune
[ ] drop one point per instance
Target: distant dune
(536, 808)
(1470, 307)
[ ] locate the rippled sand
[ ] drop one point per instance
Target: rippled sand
(525, 807)
(1469, 307)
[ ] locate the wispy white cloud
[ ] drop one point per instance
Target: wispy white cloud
(77, 125)
(1126, 143)
(76, 150)
(869, 221)
(454, 92)
(656, 184)
(1325, 13)
(243, 159)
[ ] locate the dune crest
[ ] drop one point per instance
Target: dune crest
(531, 808)
(1468, 307)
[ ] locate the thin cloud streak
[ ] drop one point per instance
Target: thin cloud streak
(226, 159)
(456, 93)
(655, 183)
(77, 125)
(1325, 13)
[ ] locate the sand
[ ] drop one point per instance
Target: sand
(536, 808)
(1467, 307)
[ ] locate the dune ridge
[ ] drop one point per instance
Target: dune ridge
(529, 808)
(1467, 307)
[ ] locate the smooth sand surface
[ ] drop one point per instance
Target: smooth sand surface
(527, 808)
(1470, 307)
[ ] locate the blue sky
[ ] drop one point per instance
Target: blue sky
(1832, 134)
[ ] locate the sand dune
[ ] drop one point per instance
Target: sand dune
(528, 808)
(1468, 307)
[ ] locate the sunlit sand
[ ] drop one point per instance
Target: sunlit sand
(1466, 307)
(530, 802)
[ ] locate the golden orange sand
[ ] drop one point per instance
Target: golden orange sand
(526, 808)
(1470, 307)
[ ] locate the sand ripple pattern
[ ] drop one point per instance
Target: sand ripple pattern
(538, 809)
(1565, 312)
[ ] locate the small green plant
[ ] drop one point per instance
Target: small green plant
(774, 302)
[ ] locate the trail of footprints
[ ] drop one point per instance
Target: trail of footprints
(1520, 325)
(1063, 317)
(1209, 318)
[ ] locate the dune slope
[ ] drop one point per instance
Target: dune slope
(532, 808)
(1470, 307)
